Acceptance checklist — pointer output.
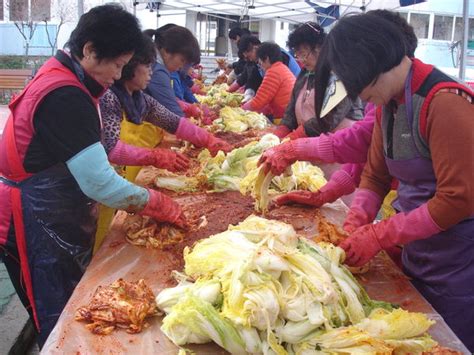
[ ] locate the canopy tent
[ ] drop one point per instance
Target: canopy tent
(295, 11)
(285, 10)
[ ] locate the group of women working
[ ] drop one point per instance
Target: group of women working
(56, 149)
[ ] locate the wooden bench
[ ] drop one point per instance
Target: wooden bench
(13, 81)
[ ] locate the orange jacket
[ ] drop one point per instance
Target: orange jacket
(275, 90)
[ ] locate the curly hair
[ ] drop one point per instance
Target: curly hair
(307, 34)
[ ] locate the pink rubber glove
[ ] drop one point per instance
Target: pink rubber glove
(281, 131)
(126, 154)
(341, 184)
(403, 228)
(247, 106)
(364, 209)
(197, 89)
(297, 133)
(278, 158)
(200, 137)
(189, 110)
(163, 209)
(234, 87)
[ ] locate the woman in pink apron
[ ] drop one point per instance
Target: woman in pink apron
(423, 138)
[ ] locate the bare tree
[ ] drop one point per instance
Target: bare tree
(21, 15)
(65, 12)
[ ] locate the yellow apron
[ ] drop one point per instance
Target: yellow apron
(387, 209)
(144, 135)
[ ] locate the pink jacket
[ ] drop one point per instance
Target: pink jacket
(349, 145)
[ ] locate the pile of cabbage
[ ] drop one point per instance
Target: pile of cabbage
(217, 95)
(235, 119)
(238, 170)
(224, 172)
(257, 288)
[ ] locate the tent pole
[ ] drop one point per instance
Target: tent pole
(465, 16)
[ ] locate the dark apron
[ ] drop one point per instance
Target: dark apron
(50, 239)
(441, 266)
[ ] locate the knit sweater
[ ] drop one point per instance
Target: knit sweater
(450, 141)
(275, 90)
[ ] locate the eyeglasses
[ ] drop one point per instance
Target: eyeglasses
(312, 27)
(304, 56)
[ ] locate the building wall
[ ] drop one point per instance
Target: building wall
(12, 43)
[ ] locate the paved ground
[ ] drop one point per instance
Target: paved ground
(3, 117)
(12, 314)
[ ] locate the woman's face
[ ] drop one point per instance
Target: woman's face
(379, 92)
(307, 56)
(251, 55)
(265, 64)
(173, 61)
(141, 77)
(104, 71)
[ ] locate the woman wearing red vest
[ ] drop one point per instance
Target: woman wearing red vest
(53, 166)
(423, 138)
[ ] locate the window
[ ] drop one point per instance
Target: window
(40, 10)
(471, 29)
(458, 29)
(18, 10)
(282, 25)
(404, 15)
(443, 27)
(420, 23)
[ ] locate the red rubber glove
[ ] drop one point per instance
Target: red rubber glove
(169, 160)
(341, 184)
(208, 115)
(215, 144)
(163, 209)
(197, 89)
(403, 228)
(364, 209)
(281, 131)
(297, 133)
(234, 87)
(247, 106)
(189, 110)
(278, 158)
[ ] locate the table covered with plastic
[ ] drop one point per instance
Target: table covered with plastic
(118, 259)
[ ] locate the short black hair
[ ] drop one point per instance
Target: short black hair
(307, 34)
(111, 29)
(362, 47)
(237, 31)
(178, 40)
(411, 41)
(247, 41)
(269, 50)
(146, 54)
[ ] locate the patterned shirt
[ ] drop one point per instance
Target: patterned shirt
(112, 115)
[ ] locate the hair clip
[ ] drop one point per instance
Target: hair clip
(314, 28)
